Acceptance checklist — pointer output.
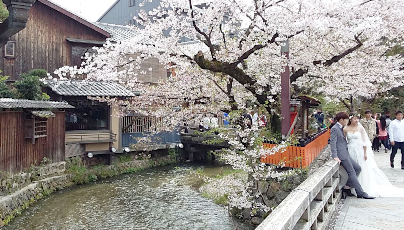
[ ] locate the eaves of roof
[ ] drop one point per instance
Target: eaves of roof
(10, 103)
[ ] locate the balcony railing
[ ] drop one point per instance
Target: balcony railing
(90, 137)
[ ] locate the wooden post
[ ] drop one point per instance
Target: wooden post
(285, 92)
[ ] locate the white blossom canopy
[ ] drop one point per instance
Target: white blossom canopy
(337, 47)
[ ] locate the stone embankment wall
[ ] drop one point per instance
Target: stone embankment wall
(273, 191)
(19, 191)
(25, 188)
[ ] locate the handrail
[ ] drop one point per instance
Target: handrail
(310, 205)
(85, 137)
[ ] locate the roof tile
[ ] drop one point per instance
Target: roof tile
(88, 88)
(9, 103)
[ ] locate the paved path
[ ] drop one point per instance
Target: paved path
(380, 213)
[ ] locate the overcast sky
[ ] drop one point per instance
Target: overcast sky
(90, 10)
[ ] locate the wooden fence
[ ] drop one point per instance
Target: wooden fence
(18, 152)
(296, 156)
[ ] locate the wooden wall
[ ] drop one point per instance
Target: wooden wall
(42, 44)
(18, 153)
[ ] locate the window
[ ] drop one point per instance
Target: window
(132, 3)
(35, 127)
(87, 115)
(9, 49)
(139, 124)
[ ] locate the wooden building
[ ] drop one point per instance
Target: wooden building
(17, 19)
(92, 126)
(53, 38)
(29, 131)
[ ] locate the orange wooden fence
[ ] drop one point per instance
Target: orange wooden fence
(298, 157)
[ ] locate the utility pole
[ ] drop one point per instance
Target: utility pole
(285, 91)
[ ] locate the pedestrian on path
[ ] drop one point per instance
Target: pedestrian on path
(396, 132)
(383, 136)
(370, 125)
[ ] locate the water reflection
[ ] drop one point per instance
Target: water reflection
(162, 198)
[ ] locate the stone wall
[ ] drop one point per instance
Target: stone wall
(273, 191)
(12, 205)
(11, 183)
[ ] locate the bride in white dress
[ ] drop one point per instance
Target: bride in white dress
(371, 178)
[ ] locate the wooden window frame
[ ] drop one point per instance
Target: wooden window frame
(35, 127)
(6, 49)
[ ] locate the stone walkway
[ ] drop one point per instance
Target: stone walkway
(380, 213)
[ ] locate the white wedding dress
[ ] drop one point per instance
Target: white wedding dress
(373, 181)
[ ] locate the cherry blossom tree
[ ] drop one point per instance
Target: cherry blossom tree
(337, 46)
(226, 52)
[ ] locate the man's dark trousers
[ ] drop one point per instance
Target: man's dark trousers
(395, 147)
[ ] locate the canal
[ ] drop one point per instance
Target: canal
(160, 198)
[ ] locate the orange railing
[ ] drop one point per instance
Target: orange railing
(295, 156)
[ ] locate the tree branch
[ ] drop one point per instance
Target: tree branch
(363, 3)
(246, 54)
(300, 72)
(208, 41)
(224, 37)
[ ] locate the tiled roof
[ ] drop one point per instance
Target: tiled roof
(117, 32)
(9, 103)
(87, 88)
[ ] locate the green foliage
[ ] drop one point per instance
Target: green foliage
(79, 174)
(82, 175)
(92, 178)
(41, 73)
(387, 103)
(124, 157)
(221, 200)
(132, 170)
(173, 152)
(29, 87)
(46, 161)
(3, 12)
(4, 89)
(45, 97)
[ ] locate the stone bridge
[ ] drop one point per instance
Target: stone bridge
(196, 146)
(317, 204)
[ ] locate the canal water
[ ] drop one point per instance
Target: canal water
(160, 198)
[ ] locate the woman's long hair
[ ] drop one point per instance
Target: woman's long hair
(383, 122)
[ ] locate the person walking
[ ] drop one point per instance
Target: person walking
(319, 115)
(370, 125)
(383, 136)
(396, 132)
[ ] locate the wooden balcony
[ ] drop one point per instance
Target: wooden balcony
(298, 156)
(86, 137)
